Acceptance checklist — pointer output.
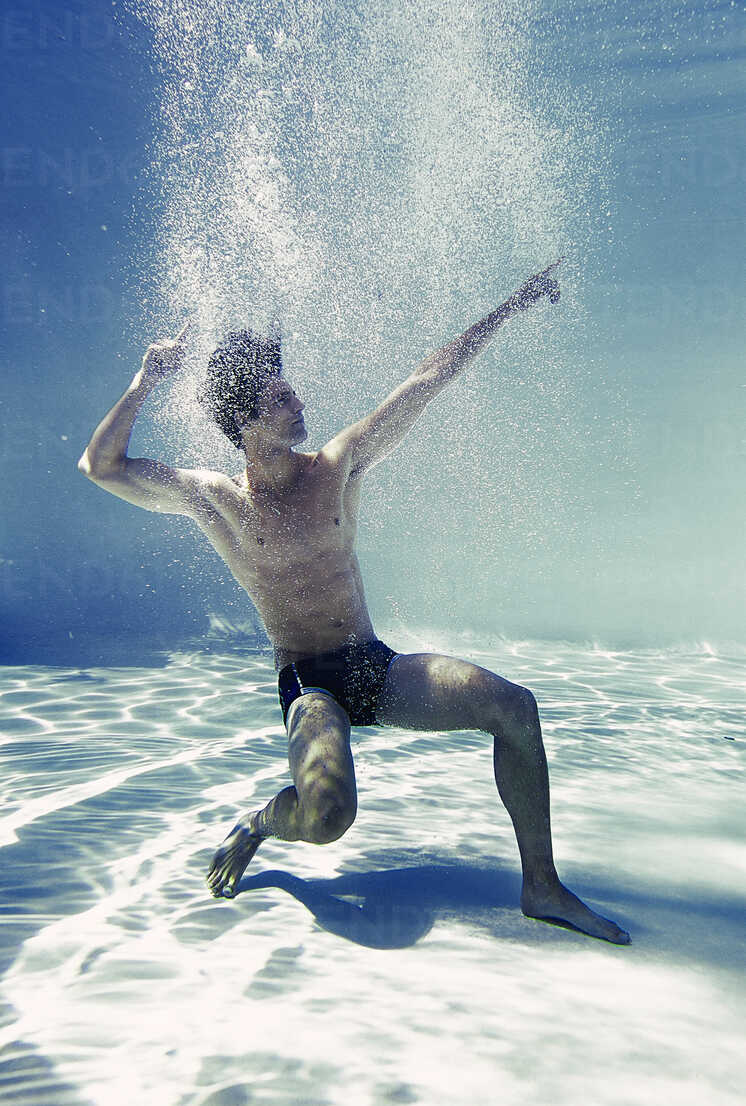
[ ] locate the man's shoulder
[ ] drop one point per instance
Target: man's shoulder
(339, 449)
(211, 481)
(207, 476)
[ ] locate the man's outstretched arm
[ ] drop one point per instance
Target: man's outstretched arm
(139, 480)
(378, 433)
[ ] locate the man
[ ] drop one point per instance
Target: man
(286, 528)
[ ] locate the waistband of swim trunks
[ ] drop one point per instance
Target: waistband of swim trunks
(349, 649)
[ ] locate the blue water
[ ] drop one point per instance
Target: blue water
(382, 175)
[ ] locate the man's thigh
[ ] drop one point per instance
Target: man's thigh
(429, 691)
(319, 748)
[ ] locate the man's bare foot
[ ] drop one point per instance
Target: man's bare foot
(554, 903)
(229, 862)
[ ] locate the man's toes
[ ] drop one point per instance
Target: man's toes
(613, 932)
(217, 889)
(215, 880)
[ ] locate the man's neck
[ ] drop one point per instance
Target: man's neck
(273, 471)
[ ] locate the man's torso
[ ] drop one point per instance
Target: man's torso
(295, 554)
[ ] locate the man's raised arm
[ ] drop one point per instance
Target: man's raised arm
(381, 431)
(139, 480)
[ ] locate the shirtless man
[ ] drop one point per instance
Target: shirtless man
(286, 528)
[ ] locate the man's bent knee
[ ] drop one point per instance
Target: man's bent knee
(512, 710)
(328, 819)
(526, 707)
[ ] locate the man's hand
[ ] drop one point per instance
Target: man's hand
(164, 357)
(540, 285)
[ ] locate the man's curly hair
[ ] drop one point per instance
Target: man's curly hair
(236, 374)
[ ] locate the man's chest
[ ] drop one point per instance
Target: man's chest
(290, 531)
(272, 534)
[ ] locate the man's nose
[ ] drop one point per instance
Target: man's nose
(299, 405)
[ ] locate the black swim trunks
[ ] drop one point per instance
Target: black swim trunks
(353, 675)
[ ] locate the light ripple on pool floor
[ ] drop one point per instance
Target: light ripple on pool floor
(126, 982)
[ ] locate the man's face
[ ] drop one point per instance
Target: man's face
(280, 412)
